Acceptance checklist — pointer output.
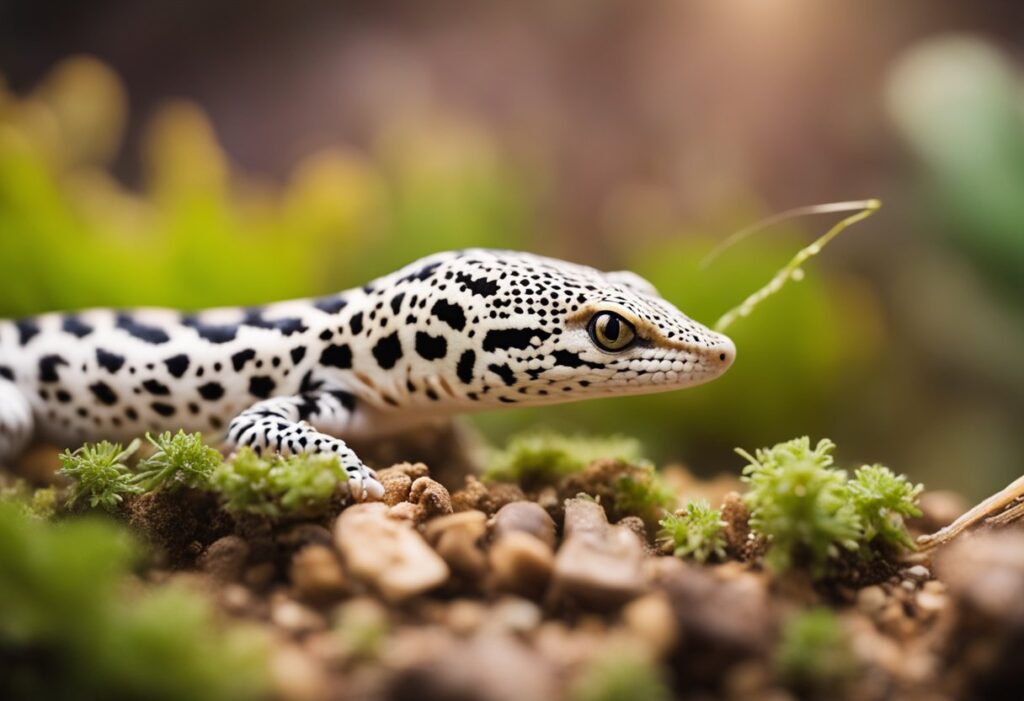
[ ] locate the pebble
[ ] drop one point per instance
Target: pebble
(456, 539)
(295, 676)
(432, 496)
(396, 486)
(870, 600)
(317, 574)
(520, 564)
(225, 558)
(407, 511)
(527, 517)
(387, 553)
(515, 615)
(651, 619)
(918, 572)
(294, 617)
(986, 572)
(598, 565)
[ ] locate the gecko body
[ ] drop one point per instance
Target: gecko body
(452, 333)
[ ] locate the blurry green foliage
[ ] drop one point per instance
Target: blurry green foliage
(72, 625)
(621, 674)
(814, 651)
(545, 457)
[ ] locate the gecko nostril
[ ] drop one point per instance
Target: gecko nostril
(721, 356)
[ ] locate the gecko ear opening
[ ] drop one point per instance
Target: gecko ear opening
(633, 281)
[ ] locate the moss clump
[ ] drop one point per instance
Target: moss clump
(72, 627)
(621, 674)
(35, 503)
(101, 474)
(695, 531)
(180, 459)
(301, 485)
(544, 458)
(882, 500)
(808, 510)
(814, 651)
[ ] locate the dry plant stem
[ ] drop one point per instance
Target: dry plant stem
(988, 509)
(865, 208)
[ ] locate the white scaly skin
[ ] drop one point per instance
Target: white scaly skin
(452, 333)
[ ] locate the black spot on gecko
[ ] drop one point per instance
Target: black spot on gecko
(356, 323)
(482, 287)
(111, 362)
(388, 351)
(261, 386)
(504, 372)
(337, 356)
(158, 388)
(330, 305)
(503, 339)
(346, 399)
(102, 392)
(239, 359)
(211, 391)
(431, 347)
(573, 360)
(297, 354)
(162, 409)
(131, 414)
(27, 328)
(143, 332)
(48, 367)
(464, 369)
(396, 302)
(177, 365)
(62, 396)
(286, 326)
(422, 274)
(75, 326)
(6, 373)
(214, 333)
(451, 314)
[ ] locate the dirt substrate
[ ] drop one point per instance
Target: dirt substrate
(492, 594)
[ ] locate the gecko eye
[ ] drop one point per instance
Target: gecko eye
(611, 332)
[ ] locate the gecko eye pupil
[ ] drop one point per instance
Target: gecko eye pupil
(610, 332)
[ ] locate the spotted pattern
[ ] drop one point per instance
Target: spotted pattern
(450, 333)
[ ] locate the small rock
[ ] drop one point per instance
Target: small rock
(317, 574)
(225, 558)
(930, 602)
(407, 511)
(525, 516)
(652, 620)
(513, 614)
(432, 496)
(635, 524)
(870, 600)
(598, 565)
(396, 486)
(456, 539)
(473, 495)
(303, 534)
(520, 564)
(387, 553)
(986, 572)
(465, 616)
(918, 572)
(413, 470)
(295, 676)
(294, 617)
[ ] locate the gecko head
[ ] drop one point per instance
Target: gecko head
(550, 331)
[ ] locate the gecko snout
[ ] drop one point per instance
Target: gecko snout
(726, 353)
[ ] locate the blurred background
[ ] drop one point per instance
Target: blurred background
(197, 154)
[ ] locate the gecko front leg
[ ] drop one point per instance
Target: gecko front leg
(304, 424)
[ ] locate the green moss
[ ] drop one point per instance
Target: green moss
(883, 499)
(36, 503)
(814, 651)
(180, 459)
(300, 485)
(100, 473)
(72, 625)
(621, 674)
(695, 531)
(641, 492)
(547, 457)
(809, 510)
(799, 501)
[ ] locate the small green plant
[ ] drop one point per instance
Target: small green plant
(100, 473)
(814, 651)
(73, 625)
(35, 503)
(275, 485)
(180, 459)
(799, 501)
(695, 531)
(883, 499)
(547, 457)
(621, 674)
(809, 510)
